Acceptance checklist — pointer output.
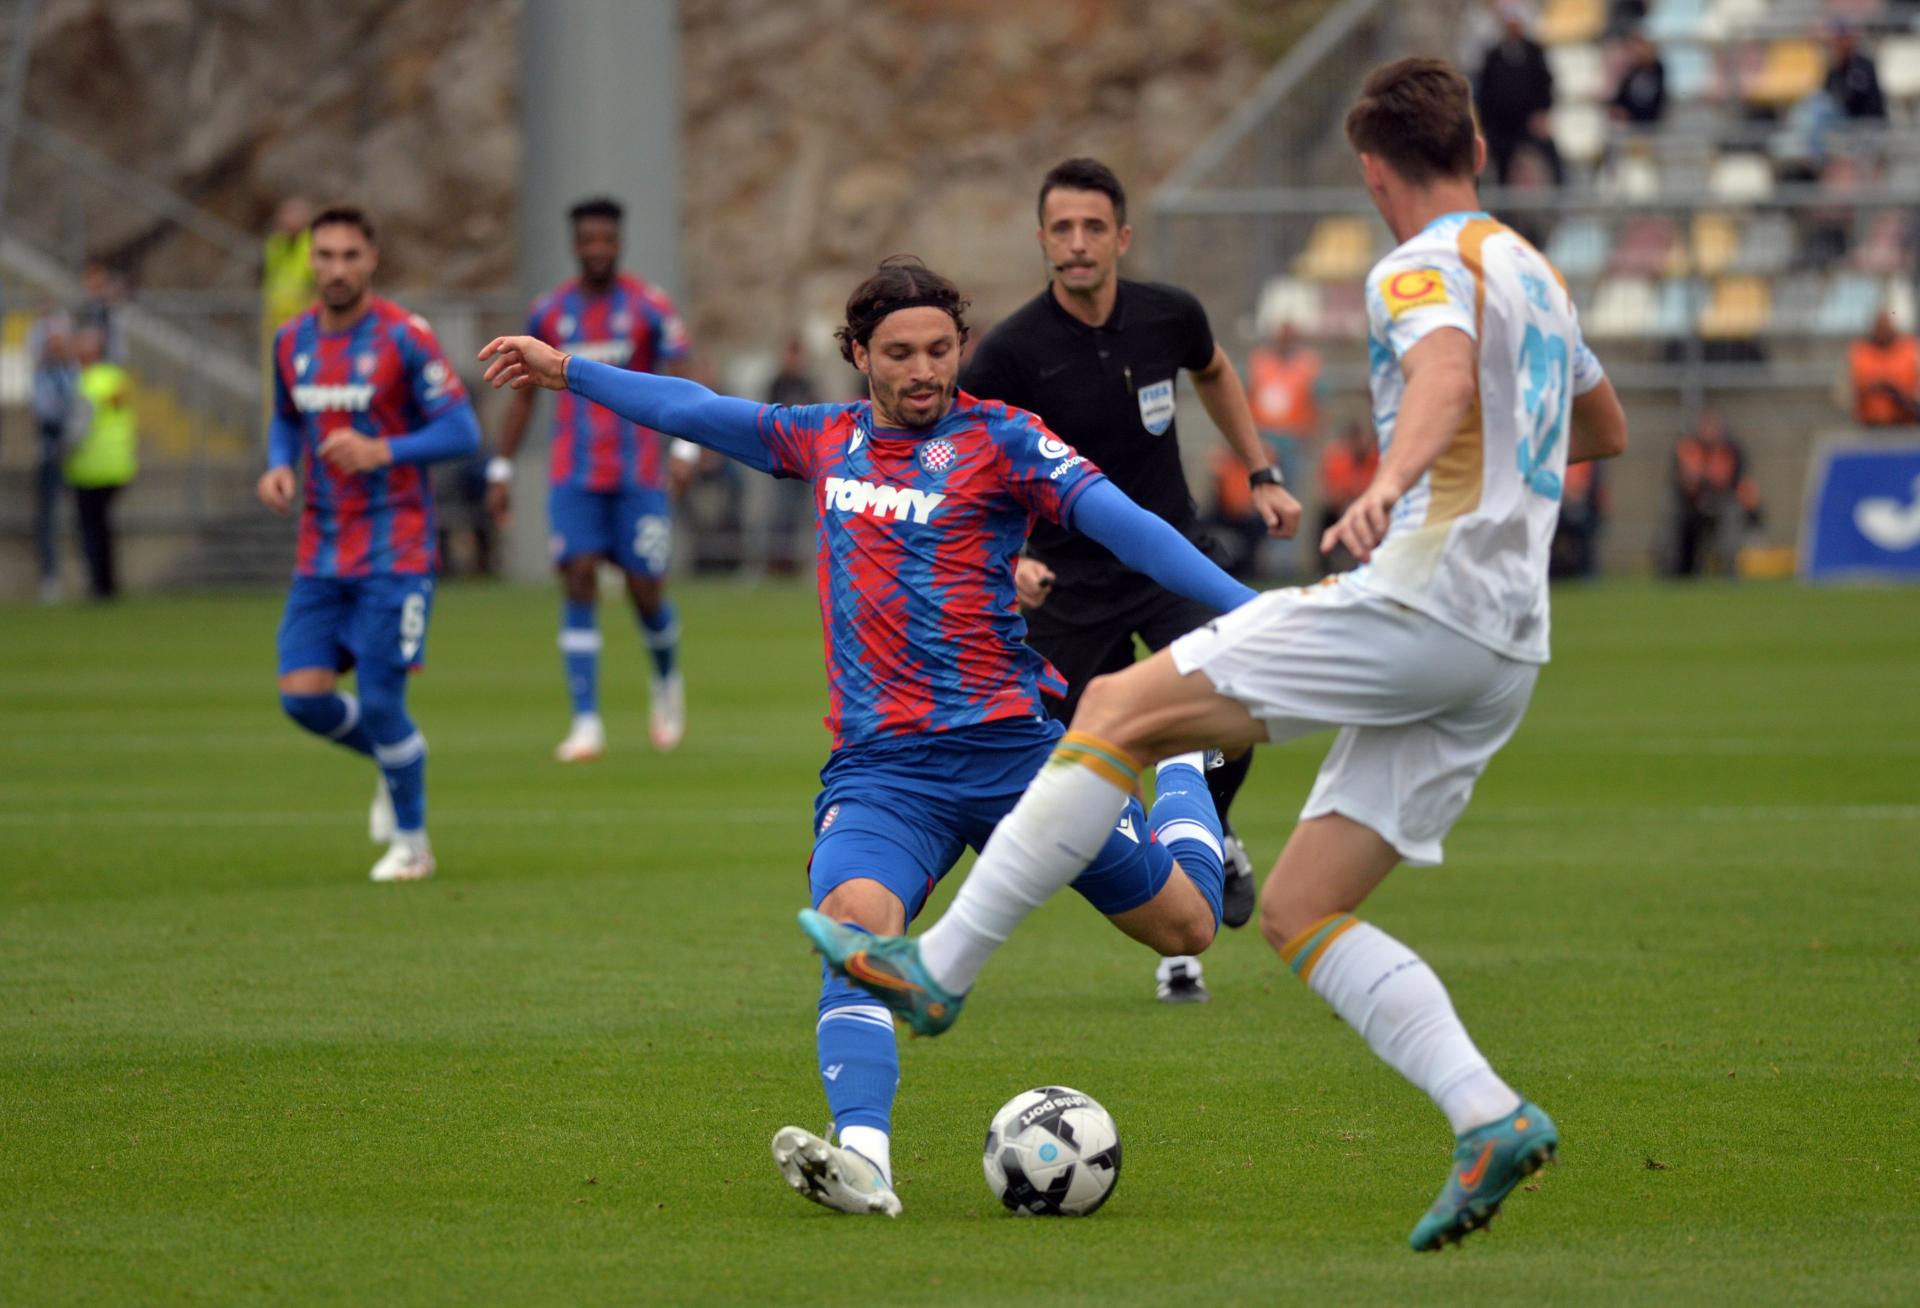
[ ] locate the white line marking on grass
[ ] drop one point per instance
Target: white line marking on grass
(799, 814)
(1706, 813)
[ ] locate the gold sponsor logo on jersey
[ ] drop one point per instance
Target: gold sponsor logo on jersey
(1413, 289)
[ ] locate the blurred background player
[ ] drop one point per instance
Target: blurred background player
(610, 476)
(364, 400)
(1425, 659)
(1098, 358)
(923, 498)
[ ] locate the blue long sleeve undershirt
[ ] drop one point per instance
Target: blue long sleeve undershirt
(453, 435)
(676, 406)
(1143, 541)
(1149, 544)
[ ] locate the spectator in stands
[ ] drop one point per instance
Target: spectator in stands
(1515, 94)
(1715, 500)
(105, 458)
(1346, 470)
(99, 308)
(1583, 512)
(1853, 82)
(1641, 96)
(56, 383)
(1883, 376)
(1285, 391)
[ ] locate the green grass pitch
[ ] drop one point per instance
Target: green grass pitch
(1683, 913)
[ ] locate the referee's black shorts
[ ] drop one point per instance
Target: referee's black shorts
(1089, 635)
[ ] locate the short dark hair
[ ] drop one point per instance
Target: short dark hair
(597, 206)
(1084, 175)
(900, 282)
(1417, 115)
(344, 215)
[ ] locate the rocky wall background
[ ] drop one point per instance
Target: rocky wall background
(820, 134)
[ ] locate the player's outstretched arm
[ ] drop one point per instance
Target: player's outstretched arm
(1148, 543)
(669, 404)
(1442, 381)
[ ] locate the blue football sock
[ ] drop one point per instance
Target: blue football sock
(661, 630)
(334, 715)
(398, 746)
(580, 650)
(1184, 820)
(859, 1057)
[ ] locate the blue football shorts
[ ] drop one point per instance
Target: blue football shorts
(346, 622)
(901, 812)
(631, 527)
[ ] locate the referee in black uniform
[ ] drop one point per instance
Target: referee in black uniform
(1098, 358)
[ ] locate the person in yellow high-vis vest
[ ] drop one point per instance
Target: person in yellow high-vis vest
(287, 287)
(105, 458)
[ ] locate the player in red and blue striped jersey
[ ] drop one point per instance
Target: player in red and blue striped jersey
(364, 401)
(610, 495)
(924, 497)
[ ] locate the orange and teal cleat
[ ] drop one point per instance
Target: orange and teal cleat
(886, 967)
(1487, 1163)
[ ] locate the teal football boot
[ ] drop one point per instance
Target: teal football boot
(886, 967)
(1487, 1163)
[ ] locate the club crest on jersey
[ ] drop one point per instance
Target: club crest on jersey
(301, 362)
(1156, 407)
(1413, 289)
(564, 327)
(621, 322)
(937, 455)
(366, 363)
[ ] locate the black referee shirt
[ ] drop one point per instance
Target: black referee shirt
(1108, 392)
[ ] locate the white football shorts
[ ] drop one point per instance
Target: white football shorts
(1421, 710)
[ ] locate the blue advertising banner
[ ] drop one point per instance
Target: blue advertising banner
(1863, 513)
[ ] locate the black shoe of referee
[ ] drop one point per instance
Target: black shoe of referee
(1236, 895)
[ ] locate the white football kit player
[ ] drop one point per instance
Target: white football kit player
(1426, 656)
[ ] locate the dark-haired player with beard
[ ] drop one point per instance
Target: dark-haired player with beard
(1098, 358)
(610, 476)
(924, 497)
(363, 401)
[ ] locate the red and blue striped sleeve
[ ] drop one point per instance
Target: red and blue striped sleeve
(1043, 473)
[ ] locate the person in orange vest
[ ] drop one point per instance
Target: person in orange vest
(1285, 392)
(1346, 470)
(1883, 376)
(1715, 499)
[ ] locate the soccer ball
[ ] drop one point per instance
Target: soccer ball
(1052, 1151)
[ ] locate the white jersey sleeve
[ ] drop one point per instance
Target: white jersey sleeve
(1412, 293)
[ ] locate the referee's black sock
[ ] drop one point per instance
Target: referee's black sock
(1223, 783)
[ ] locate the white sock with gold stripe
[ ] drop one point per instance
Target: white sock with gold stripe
(1055, 830)
(1390, 996)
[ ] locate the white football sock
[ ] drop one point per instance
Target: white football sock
(1055, 830)
(1390, 996)
(872, 1144)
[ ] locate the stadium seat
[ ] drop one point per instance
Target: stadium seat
(1766, 246)
(1741, 177)
(1579, 248)
(1884, 246)
(1343, 310)
(1791, 71)
(1288, 299)
(1339, 249)
(1580, 130)
(1645, 248)
(1796, 303)
(1675, 20)
(1849, 305)
(1673, 315)
(1725, 19)
(1623, 308)
(1899, 299)
(1579, 72)
(1563, 22)
(1629, 176)
(1690, 73)
(1899, 60)
(1737, 309)
(1716, 240)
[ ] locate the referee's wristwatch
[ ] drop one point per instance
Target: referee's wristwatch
(1267, 476)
